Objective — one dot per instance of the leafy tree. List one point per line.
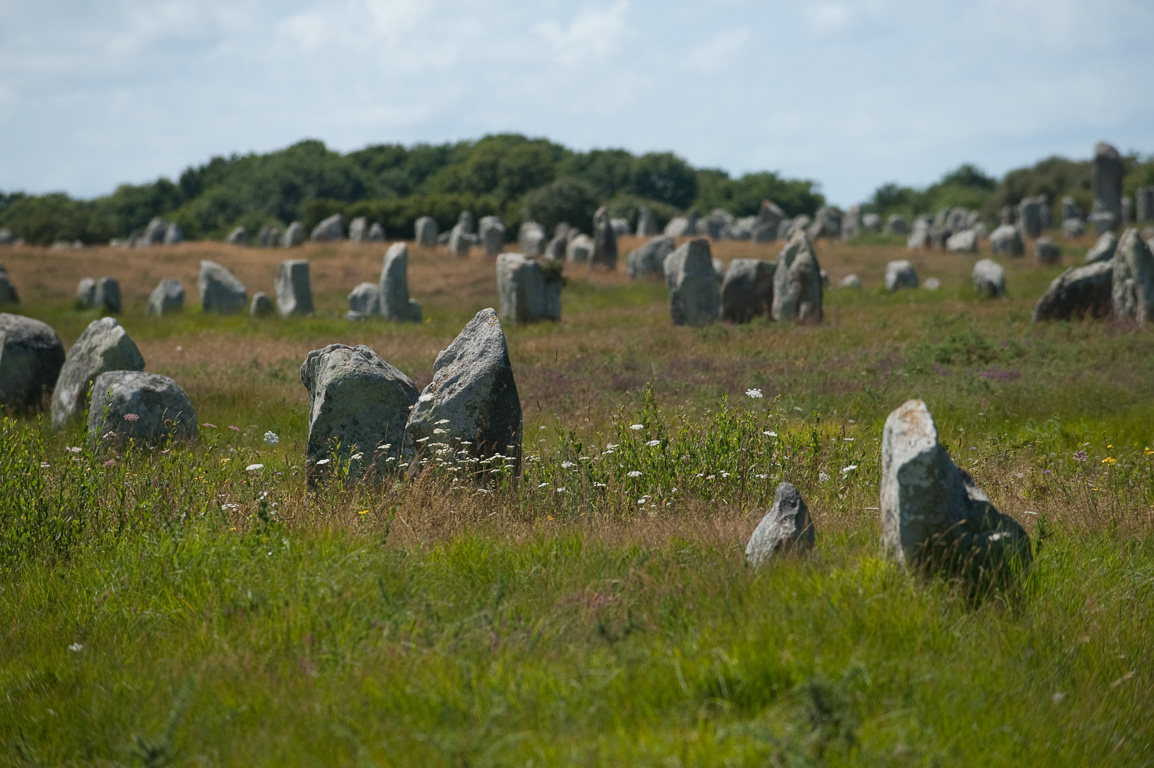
(566, 199)
(665, 177)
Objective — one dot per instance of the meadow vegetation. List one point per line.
(192, 606)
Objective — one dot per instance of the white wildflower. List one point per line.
(636, 427)
(769, 434)
(442, 421)
(357, 456)
(598, 485)
(76, 647)
(823, 477)
(633, 473)
(544, 485)
(439, 431)
(322, 462)
(754, 393)
(846, 470)
(568, 464)
(253, 467)
(271, 438)
(653, 443)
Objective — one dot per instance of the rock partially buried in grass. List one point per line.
(31, 356)
(472, 402)
(649, 259)
(989, 279)
(167, 298)
(850, 281)
(900, 274)
(797, 284)
(1007, 241)
(294, 293)
(787, 527)
(1079, 292)
(747, 290)
(1046, 251)
(934, 518)
(359, 406)
(262, 305)
(294, 235)
(330, 230)
(86, 293)
(144, 407)
(365, 300)
(107, 295)
(220, 292)
(104, 346)
(693, 285)
(1133, 282)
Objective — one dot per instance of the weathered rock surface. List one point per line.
(989, 278)
(1073, 227)
(1030, 216)
(219, 291)
(396, 304)
(919, 237)
(491, 231)
(1103, 250)
(1106, 185)
(850, 281)
(677, 226)
(1133, 285)
(604, 241)
(294, 235)
(104, 346)
(237, 237)
(143, 407)
(473, 397)
(167, 298)
(262, 305)
(900, 274)
(1006, 240)
(532, 238)
(269, 236)
(965, 241)
(106, 295)
(173, 234)
(425, 230)
(646, 222)
(747, 290)
(787, 527)
(649, 259)
(365, 299)
(797, 284)
(520, 288)
(1078, 292)
(896, 224)
(1046, 251)
(579, 250)
(826, 223)
(155, 231)
(693, 285)
(376, 233)
(7, 290)
(932, 284)
(31, 356)
(329, 230)
(1144, 203)
(460, 241)
(86, 293)
(621, 227)
(358, 230)
(294, 293)
(934, 517)
(359, 405)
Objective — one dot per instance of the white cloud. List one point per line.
(593, 32)
(721, 51)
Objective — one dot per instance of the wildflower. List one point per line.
(206, 424)
(1149, 452)
(271, 438)
(1080, 455)
(439, 431)
(823, 477)
(225, 460)
(636, 427)
(634, 473)
(76, 647)
(254, 467)
(363, 512)
(421, 439)
(544, 485)
(322, 462)
(724, 474)
(598, 485)
(762, 477)
(560, 490)
(357, 456)
(568, 465)
(847, 469)
(234, 428)
(110, 463)
(754, 393)
(131, 417)
(230, 507)
(442, 421)
(769, 434)
(74, 449)
(44, 465)
(425, 398)
(1108, 461)
(653, 443)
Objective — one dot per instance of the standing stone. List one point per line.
(1030, 216)
(826, 223)
(557, 247)
(294, 235)
(934, 518)
(106, 296)
(459, 241)
(1046, 251)
(871, 222)
(1007, 241)
(1144, 203)
(989, 279)
(1106, 184)
(747, 290)
(692, 283)
(649, 259)
(268, 237)
(465, 222)
(919, 237)
(261, 305)
(491, 233)
(167, 298)
(1070, 209)
(376, 233)
(7, 237)
(787, 527)
(896, 224)
(294, 295)
(329, 230)
(1133, 290)
(86, 293)
(677, 226)
(393, 287)
(1127, 211)
(425, 230)
(219, 291)
(740, 229)
(965, 241)
(717, 222)
(621, 227)
(1078, 292)
(579, 250)
(155, 231)
(797, 285)
(31, 356)
(1103, 250)
(104, 346)
(900, 274)
(521, 288)
(143, 407)
(237, 237)
(474, 390)
(531, 236)
(173, 234)
(358, 230)
(604, 241)
(365, 300)
(850, 281)
(851, 223)
(7, 290)
(1073, 227)
(358, 408)
(646, 222)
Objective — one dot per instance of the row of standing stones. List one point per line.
(368, 418)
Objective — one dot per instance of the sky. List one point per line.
(95, 93)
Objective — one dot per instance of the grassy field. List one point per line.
(179, 608)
